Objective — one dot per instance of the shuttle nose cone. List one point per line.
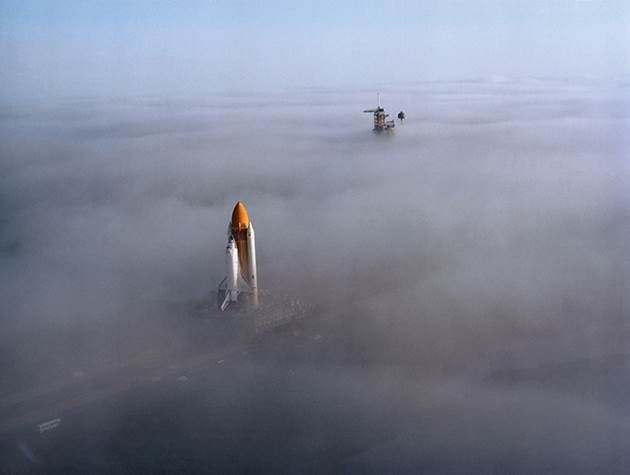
(240, 219)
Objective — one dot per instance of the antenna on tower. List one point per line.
(378, 99)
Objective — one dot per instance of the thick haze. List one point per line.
(485, 235)
(468, 273)
(500, 201)
(118, 47)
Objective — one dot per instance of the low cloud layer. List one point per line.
(487, 232)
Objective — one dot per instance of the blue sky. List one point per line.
(92, 47)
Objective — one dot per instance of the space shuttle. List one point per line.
(240, 285)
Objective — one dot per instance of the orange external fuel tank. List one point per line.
(239, 225)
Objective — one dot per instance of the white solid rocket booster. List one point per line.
(231, 254)
(253, 273)
(242, 276)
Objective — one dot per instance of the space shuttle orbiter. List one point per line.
(241, 282)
